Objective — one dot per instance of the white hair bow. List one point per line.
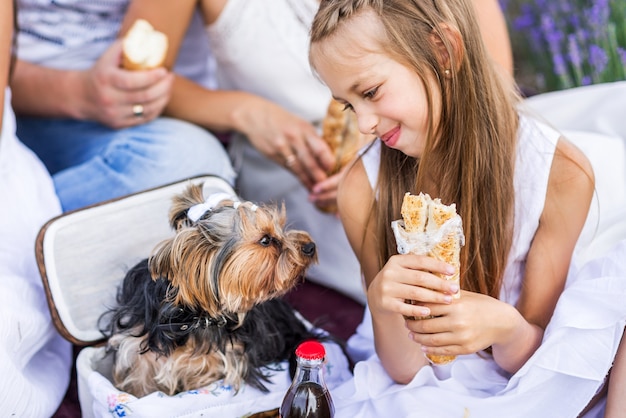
(196, 211)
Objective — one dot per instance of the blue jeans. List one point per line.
(90, 162)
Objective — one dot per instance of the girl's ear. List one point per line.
(448, 45)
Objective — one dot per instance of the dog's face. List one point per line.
(233, 257)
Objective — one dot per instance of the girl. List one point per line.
(418, 76)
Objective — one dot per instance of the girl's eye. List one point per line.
(347, 106)
(370, 93)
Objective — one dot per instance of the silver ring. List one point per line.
(290, 160)
(138, 110)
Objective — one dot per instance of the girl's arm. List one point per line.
(570, 189)
(387, 287)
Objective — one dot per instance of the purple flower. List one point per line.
(598, 58)
(622, 55)
(552, 35)
(523, 22)
(573, 51)
(569, 42)
(559, 65)
(598, 17)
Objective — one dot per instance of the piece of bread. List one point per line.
(341, 132)
(414, 212)
(143, 47)
(423, 215)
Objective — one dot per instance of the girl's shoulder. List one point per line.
(537, 136)
(354, 185)
(370, 158)
(536, 131)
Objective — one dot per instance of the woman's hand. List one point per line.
(120, 98)
(287, 140)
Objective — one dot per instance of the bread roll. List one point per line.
(143, 48)
(423, 215)
(341, 132)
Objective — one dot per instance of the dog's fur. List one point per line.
(206, 305)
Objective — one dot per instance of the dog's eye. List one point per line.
(266, 241)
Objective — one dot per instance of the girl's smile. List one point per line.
(391, 137)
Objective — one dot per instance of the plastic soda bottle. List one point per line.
(308, 396)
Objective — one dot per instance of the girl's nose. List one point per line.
(367, 122)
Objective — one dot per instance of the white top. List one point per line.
(36, 361)
(73, 34)
(258, 42)
(578, 346)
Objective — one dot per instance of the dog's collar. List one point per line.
(198, 322)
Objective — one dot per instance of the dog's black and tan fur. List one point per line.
(206, 305)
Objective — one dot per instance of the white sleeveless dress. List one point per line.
(262, 47)
(35, 361)
(565, 372)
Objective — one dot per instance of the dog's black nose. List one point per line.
(308, 249)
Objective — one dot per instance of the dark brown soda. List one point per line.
(308, 400)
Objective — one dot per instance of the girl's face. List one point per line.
(388, 97)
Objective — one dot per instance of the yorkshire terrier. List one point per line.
(206, 305)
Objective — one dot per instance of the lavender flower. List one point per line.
(568, 43)
(598, 59)
(622, 55)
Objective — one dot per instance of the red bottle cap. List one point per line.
(311, 350)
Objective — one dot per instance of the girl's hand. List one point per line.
(286, 139)
(111, 95)
(410, 277)
(468, 325)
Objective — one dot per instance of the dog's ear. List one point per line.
(181, 203)
(281, 211)
(160, 262)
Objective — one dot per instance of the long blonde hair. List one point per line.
(470, 152)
